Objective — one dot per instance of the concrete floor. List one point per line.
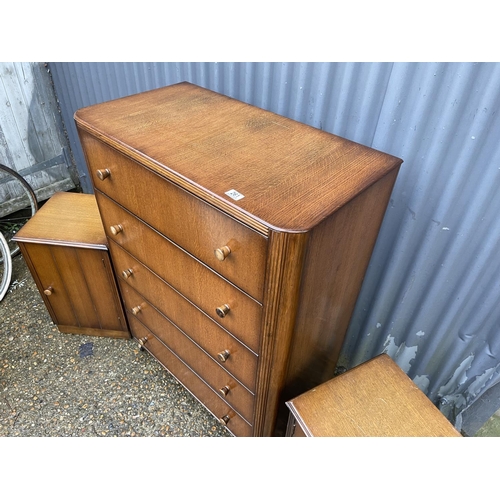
(491, 428)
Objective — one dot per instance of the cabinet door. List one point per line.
(98, 274)
(50, 284)
(78, 286)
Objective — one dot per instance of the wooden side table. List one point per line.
(64, 246)
(375, 399)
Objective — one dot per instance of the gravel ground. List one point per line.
(55, 384)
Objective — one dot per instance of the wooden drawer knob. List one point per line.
(48, 291)
(103, 174)
(142, 343)
(224, 420)
(118, 228)
(222, 252)
(136, 310)
(223, 355)
(127, 273)
(222, 310)
(224, 390)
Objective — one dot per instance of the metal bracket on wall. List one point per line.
(63, 158)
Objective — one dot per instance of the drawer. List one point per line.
(193, 224)
(190, 380)
(195, 281)
(163, 296)
(215, 341)
(238, 397)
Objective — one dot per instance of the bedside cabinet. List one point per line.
(240, 240)
(64, 246)
(375, 399)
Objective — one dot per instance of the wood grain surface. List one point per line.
(338, 253)
(241, 363)
(194, 384)
(195, 282)
(83, 288)
(375, 399)
(291, 175)
(66, 219)
(238, 397)
(177, 214)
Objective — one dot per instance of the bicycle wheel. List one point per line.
(25, 197)
(5, 267)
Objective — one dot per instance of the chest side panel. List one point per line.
(338, 254)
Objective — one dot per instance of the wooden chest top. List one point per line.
(291, 175)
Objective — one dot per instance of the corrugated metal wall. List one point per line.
(31, 134)
(430, 298)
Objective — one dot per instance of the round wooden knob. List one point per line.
(103, 174)
(222, 310)
(224, 390)
(224, 420)
(48, 291)
(223, 355)
(136, 310)
(222, 252)
(127, 273)
(118, 228)
(142, 343)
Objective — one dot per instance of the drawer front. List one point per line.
(238, 397)
(152, 287)
(190, 222)
(195, 281)
(200, 390)
(215, 341)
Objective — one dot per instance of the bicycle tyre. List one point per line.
(33, 202)
(7, 267)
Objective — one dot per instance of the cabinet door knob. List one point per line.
(136, 310)
(48, 291)
(223, 355)
(103, 174)
(224, 390)
(222, 252)
(222, 310)
(118, 228)
(224, 420)
(127, 273)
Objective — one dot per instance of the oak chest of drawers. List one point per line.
(240, 240)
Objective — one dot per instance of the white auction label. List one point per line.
(234, 194)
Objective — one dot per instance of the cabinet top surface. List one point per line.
(67, 219)
(375, 399)
(291, 175)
